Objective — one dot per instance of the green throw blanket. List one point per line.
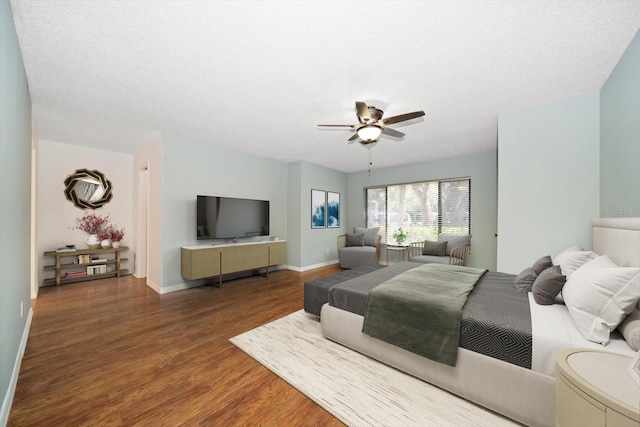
(420, 309)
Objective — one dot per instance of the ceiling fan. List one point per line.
(371, 124)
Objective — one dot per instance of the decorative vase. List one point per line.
(105, 243)
(92, 241)
(115, 244)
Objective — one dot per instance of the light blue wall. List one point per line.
(15, 205)
(191, 168)
(620, 137)
(319, 246)
(294, 218)
(481, 168)
(548, 175)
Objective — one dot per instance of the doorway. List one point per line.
(142, 263)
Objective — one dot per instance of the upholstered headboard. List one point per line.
(619, 238)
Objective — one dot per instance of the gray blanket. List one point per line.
(425, 301)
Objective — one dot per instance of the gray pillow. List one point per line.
(454, 240)
(542, 264)
(355, 240)
(434, 248)
(524, 280)
(548, 285)
(370, 234)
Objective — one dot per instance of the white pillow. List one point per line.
(630, 329)
(599, 295)
(573, 258)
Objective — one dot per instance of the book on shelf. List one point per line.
(88, 259)
(75, 273)
(66, 249)
(96, 269)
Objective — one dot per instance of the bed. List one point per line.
(522, 389)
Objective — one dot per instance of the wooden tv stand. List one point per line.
(209, 261)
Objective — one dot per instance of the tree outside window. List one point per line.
(423, 209)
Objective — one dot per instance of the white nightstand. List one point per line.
(593, 388)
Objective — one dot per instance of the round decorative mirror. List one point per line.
(88, 189)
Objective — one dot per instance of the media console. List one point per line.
(209, 261)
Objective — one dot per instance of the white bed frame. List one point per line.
(518, 393)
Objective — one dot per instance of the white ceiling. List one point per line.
(259, 76)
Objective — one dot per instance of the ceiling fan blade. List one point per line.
(353, 138)
(402, 117)
(392, 132)
(363, 112)
(339, 126)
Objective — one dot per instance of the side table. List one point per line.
(593, 388)
(402, 250)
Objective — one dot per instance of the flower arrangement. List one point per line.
(91, 223)
(111, 233)
(400, 235)
(115, 234)
(103, 233)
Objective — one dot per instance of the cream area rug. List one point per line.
(354, 388)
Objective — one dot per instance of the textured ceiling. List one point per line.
(259, 76)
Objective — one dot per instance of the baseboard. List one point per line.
(182, 286)
(178, 287)
(154, 286)
(230, 276)
(312, 267)
(8, 399)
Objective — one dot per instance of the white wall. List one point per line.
(149, 157)
(56, 215)
(548, 179)
(481, 168)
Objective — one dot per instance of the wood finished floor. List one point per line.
(114, 352)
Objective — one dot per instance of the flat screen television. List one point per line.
(231, 218)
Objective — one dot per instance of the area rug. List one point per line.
(356, 389)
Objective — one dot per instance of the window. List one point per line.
(423, 209)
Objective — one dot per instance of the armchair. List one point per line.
(456, 250)
(357, 255)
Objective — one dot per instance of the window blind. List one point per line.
(422, 209)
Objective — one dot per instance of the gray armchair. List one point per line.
(456, 250)
(357, 255)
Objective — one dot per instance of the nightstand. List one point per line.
(593, 388)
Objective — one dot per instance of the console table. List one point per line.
(201, 262)
(65, 261)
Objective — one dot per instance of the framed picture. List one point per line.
(333, 209)
(318, 209)
(634, 368)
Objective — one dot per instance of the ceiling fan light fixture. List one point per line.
(369, 132)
